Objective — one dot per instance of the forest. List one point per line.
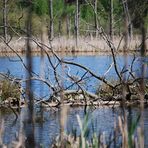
(68, 18)
(74, 73)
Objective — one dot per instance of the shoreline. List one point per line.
(80, 53)
(66, 46)
(67, 53)
(96, 104)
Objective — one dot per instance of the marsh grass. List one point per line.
(86, 44)
(127, 136)
(124, 134)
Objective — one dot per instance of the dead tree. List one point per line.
(95, 17)
(143, 38)
(77, 15)
(51, 25)
(5, 31)
(127, 24)
(111, 18)
(30, 141)
(68, 26)
(60, 27)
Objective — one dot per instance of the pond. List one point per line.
(47, 126)
(98, 64)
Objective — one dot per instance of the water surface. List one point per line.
(98, 64)
(47, 122)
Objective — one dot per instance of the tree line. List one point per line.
(75, 17)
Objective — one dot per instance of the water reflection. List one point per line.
(47, 126)
(47, 123)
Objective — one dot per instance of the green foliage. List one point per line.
(105, 5)
(132, 131)
(40, 7)
(58, 7)
(24, 3)
(63, 9)
(139, 11)
(87, 12)
(69, 9)
(96, 141)
(9, 89)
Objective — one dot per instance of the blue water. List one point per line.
(98, 64)
(100, 120)
(46, 131)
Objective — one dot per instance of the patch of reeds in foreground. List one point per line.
(85, 44)
(123, 135)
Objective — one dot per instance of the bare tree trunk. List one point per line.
(68, 26)
(143, 38)
(5, 20)
(142, 82)
(29, 124)
(60, 27)
(130, 28)
(126, 35)
(77, 21)
(51, 31)
(128, 25)
(95, 17)
(111, 32)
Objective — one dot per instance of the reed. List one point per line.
(125, 135)
(86, 44)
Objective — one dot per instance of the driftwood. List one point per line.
(80, 94)
(95, 103)
(78, 98)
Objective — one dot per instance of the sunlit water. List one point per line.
(47, 122)
(97, 64)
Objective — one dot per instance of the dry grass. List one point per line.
(90, 44)
(87, 44)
